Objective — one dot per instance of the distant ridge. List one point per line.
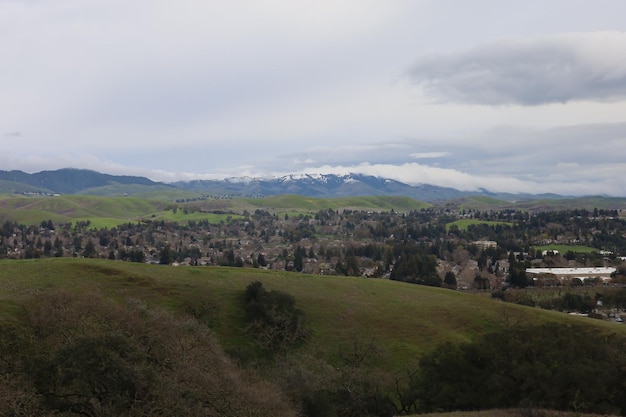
(66, 181)
(331, 185)
(88, 182)
(318, 185)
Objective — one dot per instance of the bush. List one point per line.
(550, 366)
(273, 320)
(86, 355)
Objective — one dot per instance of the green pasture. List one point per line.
(154, 192)
(99, 211)
(403, 320)
(113, 211)
(181, 216)
(311, 204)
(480, 203)
(70, 208)
(463, 224)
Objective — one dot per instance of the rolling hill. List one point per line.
(112, 211)
(70, 181)
(83, 335)
(404, 320)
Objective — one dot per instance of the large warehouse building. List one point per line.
(565, 275)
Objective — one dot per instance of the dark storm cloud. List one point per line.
(555, 69)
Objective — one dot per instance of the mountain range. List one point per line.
(81, 181)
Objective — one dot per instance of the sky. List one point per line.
(517, 96)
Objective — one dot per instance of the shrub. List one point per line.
(273, 319)
(87, 355)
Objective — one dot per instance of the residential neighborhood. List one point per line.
(475, 250)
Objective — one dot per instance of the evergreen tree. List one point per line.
(165, 256)
(450, 280)
(90, 249)
(298, 260)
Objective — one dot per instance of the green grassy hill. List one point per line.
(165, 329)
(483, 203)
(295, 203)
(463, 224)
(157, 192)
(112, 211)
(404, 320)
(101, 211)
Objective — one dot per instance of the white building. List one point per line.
(567, 274)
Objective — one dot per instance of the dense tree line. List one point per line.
(551, 366)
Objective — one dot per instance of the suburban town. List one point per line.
(467, 250)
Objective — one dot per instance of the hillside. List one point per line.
(533, 203)
(71, 181)
(100, 211)
(404, 319)
(96, 337)
(110, 211)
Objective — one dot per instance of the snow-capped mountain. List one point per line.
(320, 185)
(80, 181)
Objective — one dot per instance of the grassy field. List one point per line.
(113, 211)
(310, 204)
(404, 320)
(588, 203)
(563, 249)
(71, 208)
(479, 203)
(483, 203)
(100, 211)
(165, 193)
(463, 224)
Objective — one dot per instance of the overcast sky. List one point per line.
(519, 96)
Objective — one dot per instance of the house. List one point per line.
(485, 244)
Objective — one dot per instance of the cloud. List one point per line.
(428, 155)
(548, 69)
(415, 174)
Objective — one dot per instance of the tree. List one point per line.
(450, 280)
(261, 260)
(86, 355)
(481, 283)
(58, 248)
(298, 259)
(549, 366)
(90, 249)
(165, 256)
(273, 319)
(95, 373)
(78, 243)
(517, 276)
(47, 248)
